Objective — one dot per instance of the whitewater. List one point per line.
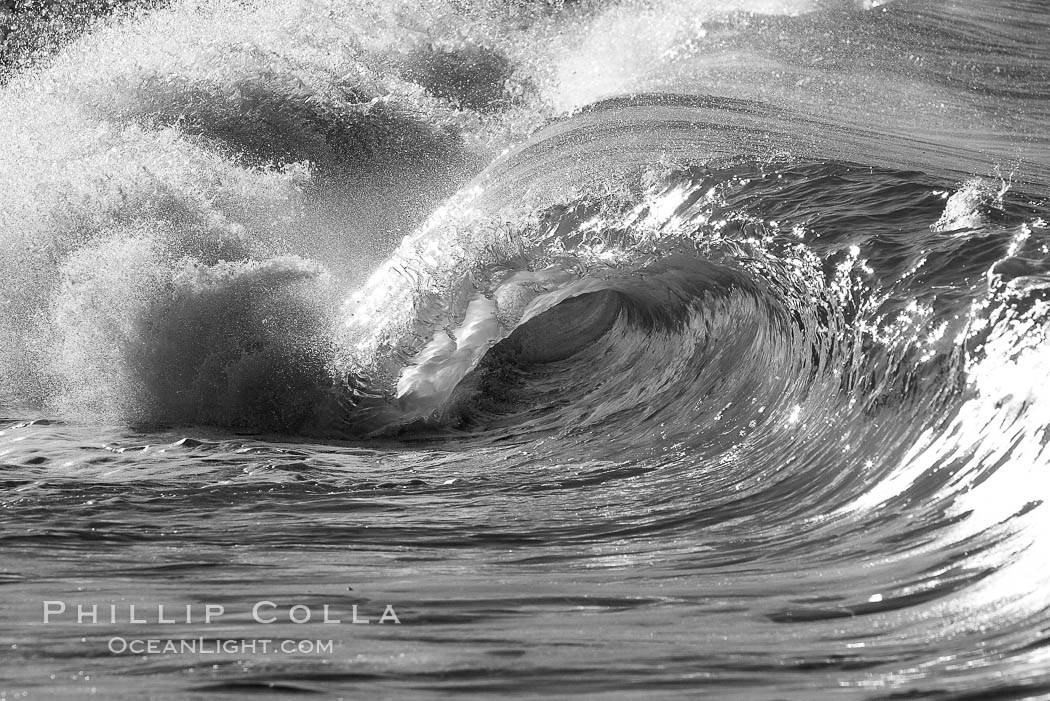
(672, 348)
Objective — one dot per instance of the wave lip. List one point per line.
(672, 262)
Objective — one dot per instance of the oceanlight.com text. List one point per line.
(212, 646)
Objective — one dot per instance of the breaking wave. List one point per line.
(793, 255)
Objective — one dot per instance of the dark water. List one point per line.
(675, 348)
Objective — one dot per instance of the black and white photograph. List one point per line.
(525, 349)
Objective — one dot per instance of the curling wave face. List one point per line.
(735, 291)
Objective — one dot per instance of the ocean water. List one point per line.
(677, 348)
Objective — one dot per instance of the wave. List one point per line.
(213, 139)
(191, 190)
(769, 275)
